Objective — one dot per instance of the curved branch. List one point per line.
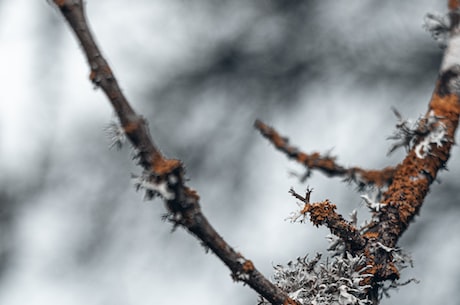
(164, 177)
(326, 164)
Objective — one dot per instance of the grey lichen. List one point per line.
(426, 130)
(332, 282)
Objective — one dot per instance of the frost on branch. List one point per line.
(438, 25)
(320, 283)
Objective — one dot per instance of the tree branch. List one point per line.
(413, 177)
(326, 164)
(162, 176)
(324, 213)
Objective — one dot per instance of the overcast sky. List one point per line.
(74, 231)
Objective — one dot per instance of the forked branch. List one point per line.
(326, 163)
(323, 213)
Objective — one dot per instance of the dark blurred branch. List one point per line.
(325, 163)
(162, 176)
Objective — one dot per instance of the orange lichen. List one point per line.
(316, 160)
(131, 126)
(274, 137)
(391, 272)
(324, 213)
(290, 301)
(321, 211)
(162, 166)
(371, 235)
(92, 75)
(59, 3)
(453, 4)
(305, 209)
(445, 105)
(270, 133)
(189, 192)
(373, 271)
(378, 177)
(325, 163)
(248, 266)
(302, 157)
(414, 175)
(381, 272)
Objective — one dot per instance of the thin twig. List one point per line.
(323, 213)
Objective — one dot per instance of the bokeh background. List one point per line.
(74, 231)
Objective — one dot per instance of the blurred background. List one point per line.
(73, 230)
